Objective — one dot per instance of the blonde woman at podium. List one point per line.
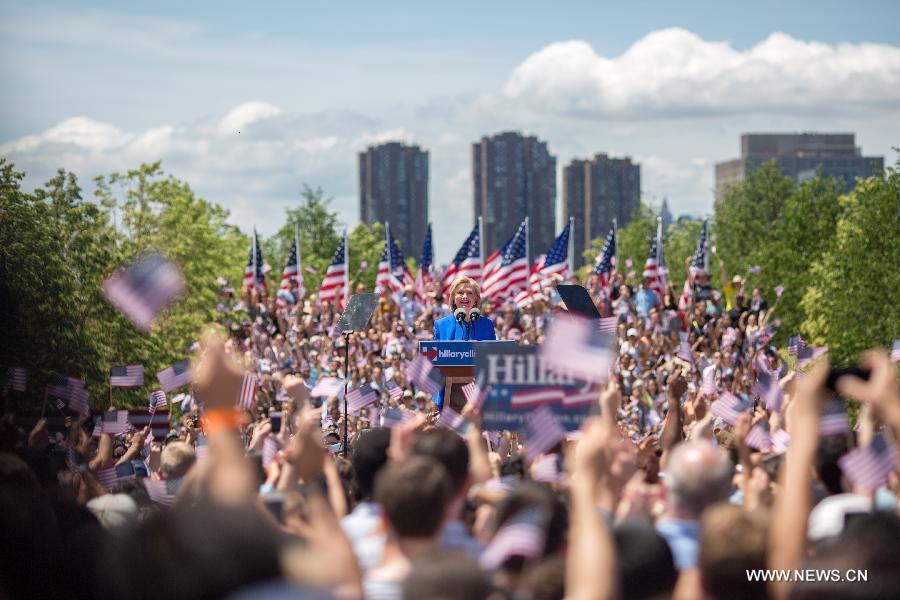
(465, 322)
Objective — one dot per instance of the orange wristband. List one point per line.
(220, 418)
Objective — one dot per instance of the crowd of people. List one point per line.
(662, 494)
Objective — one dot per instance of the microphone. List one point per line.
(460, 314)
(474, 315)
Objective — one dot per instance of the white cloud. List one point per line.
(673, 71)
(244, 114)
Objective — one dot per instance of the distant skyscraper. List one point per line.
(594, 193)
(801, 156)
(665, 214)
(393, 187)
(514, 176)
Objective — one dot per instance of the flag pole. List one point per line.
(615, 256)
(481, 247)
(346, 270)
(571, 246)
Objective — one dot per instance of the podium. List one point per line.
(456, 362)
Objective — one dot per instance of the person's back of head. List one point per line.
(446, 576)
(733, 541)
(447, 448)
(176, 460)
(527, 494)
(698, 475)
(864, 556)
(369, 456)
(645, 564)
(414, 495)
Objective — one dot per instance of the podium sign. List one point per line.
(456, 361)
(517, 383)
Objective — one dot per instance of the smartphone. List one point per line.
(140, 468)
(276, 421)
(125, 471)
(836, 374)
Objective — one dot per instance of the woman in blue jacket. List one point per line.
(464, 294)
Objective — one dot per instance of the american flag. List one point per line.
(360, 397)
(392, 417)
(162, 491)
(700, 262)
(474, 394)
(328, 387)
(708, 385)
(588, 394)
(292, 273)
(537, 396)
(684, 352)
(425, 274)
(576, 345)
(466, 263)
(527, 294)
(248, 391)
(780, 441)
(112, 422)
(157, 400)
(544, 432)
(758, 437)
(393, 390)
(609, 325)
(795, 344)
(755, 269)
(424, 375)
(506, 270)
(556, 261)
(809, 353)
(16, 379)
(143, 289)
(729, 407)
(767, 388)
(71, 389)
(202, 448)
(655, 267)
(779, 290)
(335, 286)
(521, 535)
(834, 418)
(254, 277)
(450, 419)
(126, 376)
(603, 265)
(546, 469)
(393, 273)
(270, 449)
(107, 478)
(867, 468)
(175, 376)
(895, 351)
(79, 402)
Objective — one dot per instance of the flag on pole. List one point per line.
(556, 261)
(603, 265)
(700, 262)
(141, 290)
(162, 491)
(175, 376)
(425, 274)
(452, 420)
(767, 388)
(466, 263)
(126, 376)
(795, 344)
(16, 379)
(780, 441)
(474, 394)
(655, 267)
(270, 449)
(292, 273)
(834, 419)
(506, 270)
(248, 391)
(254, 277)
(577, 346)
(157, 400)
(393, 274)
(112, 422)
(392, 417)
(424, 375)
(867, 468)
(808, 354)
(758, 437)
(393, 390)
(334, 286)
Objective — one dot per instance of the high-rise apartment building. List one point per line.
(393, 188)
(514, 176)
(801, 156)
(595, 192)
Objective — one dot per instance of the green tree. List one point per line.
(680, 243)
(319, 238)
(852, 303)
(366, 244)
(633, 240)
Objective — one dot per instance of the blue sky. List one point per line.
(101, 86)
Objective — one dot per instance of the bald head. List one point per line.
(698, 475)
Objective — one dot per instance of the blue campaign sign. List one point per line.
(450, 353)
(517, 383)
